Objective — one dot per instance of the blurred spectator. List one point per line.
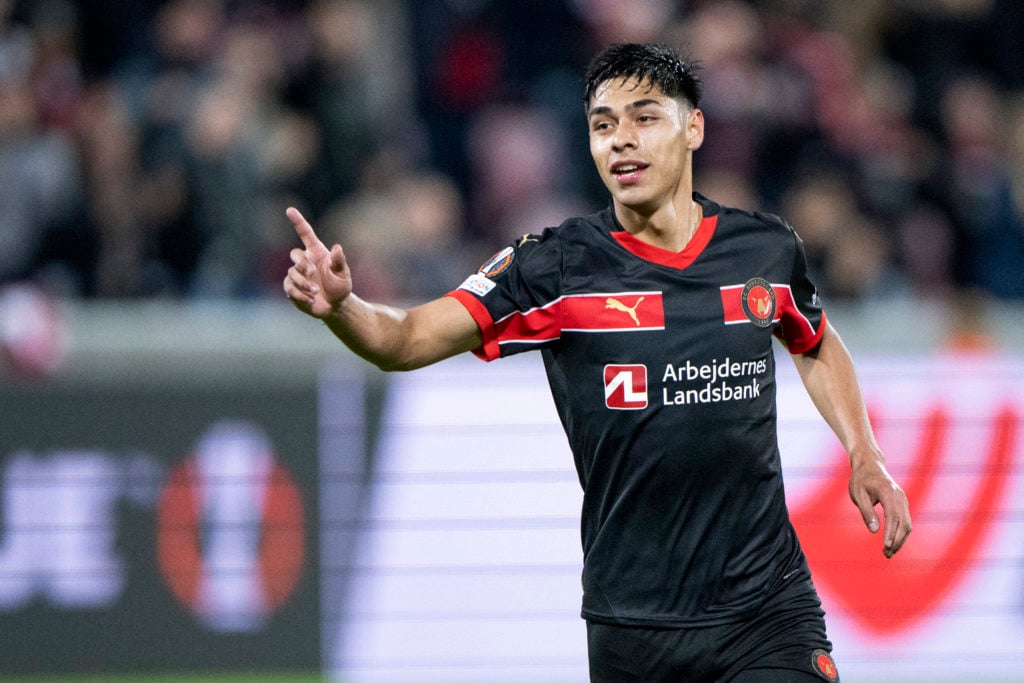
(404, 239)
(979, 185)
(820, 205)
(926, 243)
(147, 148)
(108, 144)
(38, 170)
(516, 157)
(352, 87)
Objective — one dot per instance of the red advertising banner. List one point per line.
(950, 606)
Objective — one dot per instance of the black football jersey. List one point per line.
(662, 371)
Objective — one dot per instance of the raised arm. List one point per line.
(829, 376)
(319, 283)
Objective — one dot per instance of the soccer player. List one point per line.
(655, 320)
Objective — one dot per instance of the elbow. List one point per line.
(397, 362)
(391, 365)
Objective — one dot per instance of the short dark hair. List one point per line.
(658, 65)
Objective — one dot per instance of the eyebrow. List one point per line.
(604, 109)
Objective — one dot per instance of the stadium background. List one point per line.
(195, 481)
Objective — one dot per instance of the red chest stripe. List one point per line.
(600, 312)
(596, 312)
(732, 303)
(613, 312)
(796, 329)
(610, 311)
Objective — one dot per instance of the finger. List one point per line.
(867, 512)
(903, 532)
(897, 527)
(301, 299)
(302, 263)
(893, 537)
(300, 282)
(303, 228)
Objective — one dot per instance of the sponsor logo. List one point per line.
(616, 305)
(823, 665)
(497, 263)
(612, 312)
(625, 387)
(758, 301)
(230, 530)
(720, 380)
(526, 238)
(477, 284)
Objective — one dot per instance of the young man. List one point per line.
(655, 319)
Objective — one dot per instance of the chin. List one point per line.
(641, 205)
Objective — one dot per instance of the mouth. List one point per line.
(628, 171)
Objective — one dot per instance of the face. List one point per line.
(642, 142)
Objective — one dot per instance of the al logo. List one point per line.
(625, 387)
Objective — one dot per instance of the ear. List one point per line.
(695, 129)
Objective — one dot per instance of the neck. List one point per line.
(670, 227)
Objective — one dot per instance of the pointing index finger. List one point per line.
(303, 228)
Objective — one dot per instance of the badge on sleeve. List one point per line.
(497, 263)
(477, 284)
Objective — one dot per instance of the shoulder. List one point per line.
(736, 221)
(754, 220)
(586, 227)
(589, 229)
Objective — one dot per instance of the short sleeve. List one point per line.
(514, 296)
(802, 319)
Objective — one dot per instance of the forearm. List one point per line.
(371, 331)
(398, 339)
(829, 375)
(831, 381)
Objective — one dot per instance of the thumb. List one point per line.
(337, 263)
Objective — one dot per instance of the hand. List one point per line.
(871, 485)
(320, 280)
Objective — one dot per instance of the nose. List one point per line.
(624, 137)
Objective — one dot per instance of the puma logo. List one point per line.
(526, 238)
(617, 305)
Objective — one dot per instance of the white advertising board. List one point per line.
(467, 564)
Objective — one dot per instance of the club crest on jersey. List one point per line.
(625, 387)
(497, 263)
(758, 301)
(823, 665)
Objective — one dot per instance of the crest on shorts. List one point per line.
(758, 301)
(823, 665)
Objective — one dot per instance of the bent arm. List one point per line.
(404, 339)
(831, 381)
(319, 283)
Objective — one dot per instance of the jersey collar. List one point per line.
(665, 257)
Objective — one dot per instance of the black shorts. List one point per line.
(784, 642)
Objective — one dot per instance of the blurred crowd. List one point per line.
(148, 148)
